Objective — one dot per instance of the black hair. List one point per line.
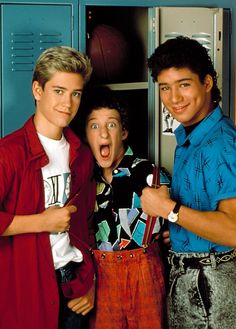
(183, 52)
(94, 98)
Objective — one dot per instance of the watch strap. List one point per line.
(176, 207)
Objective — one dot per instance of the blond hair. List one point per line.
(62, 59)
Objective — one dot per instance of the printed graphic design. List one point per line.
(57, 189)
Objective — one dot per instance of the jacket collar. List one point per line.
(35, 147)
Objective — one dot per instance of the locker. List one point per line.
(26, 31)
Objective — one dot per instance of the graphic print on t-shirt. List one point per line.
(57, 189)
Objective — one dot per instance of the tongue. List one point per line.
(105, 151)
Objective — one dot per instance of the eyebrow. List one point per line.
(109, 118)
(177, 81)
(63, 88)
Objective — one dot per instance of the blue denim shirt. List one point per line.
(204, 173)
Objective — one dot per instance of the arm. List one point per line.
(218, 226)
(53, 219)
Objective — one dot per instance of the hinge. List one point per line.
(154, 24)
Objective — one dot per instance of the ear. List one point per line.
(208, 82)
(37, 90)
(125, 134)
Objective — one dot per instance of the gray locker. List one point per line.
(27, 29)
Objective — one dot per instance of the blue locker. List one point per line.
(27, 30)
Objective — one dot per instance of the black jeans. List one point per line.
(67, 318)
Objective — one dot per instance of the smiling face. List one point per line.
(185, 97)
(105, 136)
(57, 103)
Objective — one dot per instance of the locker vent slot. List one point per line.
(24, 47)
(49, 40)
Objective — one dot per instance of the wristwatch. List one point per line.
(174, 214)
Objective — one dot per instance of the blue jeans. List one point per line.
(67, 318)
(202, 296)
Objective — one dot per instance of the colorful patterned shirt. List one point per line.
(204, 173)
(119, 220)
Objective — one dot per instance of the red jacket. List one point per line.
(28, 287)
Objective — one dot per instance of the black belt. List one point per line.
(66, 273)
(195, 262)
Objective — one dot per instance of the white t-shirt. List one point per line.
(57, 179)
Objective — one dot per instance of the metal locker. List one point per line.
(27, 30)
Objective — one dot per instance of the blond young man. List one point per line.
(47, 195)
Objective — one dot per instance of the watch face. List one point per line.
(172, 217)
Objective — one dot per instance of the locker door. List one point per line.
(27, 30)
(209, 26)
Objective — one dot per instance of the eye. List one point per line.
(77, 93)
(164, 88)
(94, 126)
(184, 84)
(58, 91)
(111, 125)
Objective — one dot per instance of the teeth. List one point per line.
(179, 108)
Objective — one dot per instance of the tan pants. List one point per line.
(130, 290)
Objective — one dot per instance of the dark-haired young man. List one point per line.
(130, 290)
(202, 206)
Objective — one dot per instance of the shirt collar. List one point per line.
(196, 136)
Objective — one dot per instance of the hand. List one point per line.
(57, 219)
(166, 238)
(156, 202)
(84, 304)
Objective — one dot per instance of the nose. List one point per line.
(176, 95)
(67, 101)
(104, 132)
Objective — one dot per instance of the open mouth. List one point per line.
(105, 150)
